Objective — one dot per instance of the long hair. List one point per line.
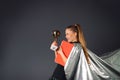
(80, 37)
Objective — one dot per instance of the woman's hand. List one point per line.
(54, 43)
(59, 51)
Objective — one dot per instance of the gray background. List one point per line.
(25, 32)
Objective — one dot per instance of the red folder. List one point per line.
(66, 48)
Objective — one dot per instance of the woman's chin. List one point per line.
(68, 40)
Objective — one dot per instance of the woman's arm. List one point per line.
(59, 51)
(55, 54)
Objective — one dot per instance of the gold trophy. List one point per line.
(55, 34)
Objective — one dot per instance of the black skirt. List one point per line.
(58, 73)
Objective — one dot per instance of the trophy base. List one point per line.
(53, 47)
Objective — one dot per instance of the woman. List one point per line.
(76, 62)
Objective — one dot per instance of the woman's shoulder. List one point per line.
(66, 43)
(63, 42)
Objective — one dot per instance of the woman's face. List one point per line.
(71, 36)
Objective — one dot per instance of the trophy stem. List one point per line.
(56, 39)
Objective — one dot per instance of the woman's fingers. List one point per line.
(59, 50)
(54, 43)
